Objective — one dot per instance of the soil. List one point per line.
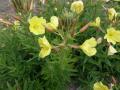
(5, 7)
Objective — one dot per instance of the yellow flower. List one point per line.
(77, 7)
(100, 86)
(96, 23)
(53, 24)
(88, 47)
(112, 35)
(112, 14)
(16, 25)
(111, 50)
(45, 47)
(37, 25)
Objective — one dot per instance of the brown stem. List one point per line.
(59, 46)
(84, 28)
(16, 17)
(74, 46)
(114, 81)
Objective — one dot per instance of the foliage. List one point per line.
(21, 68)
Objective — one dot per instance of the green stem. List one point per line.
(101, 30)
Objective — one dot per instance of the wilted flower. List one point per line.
(96, 23)
(88, 46)
(77, 7)
(37, 25)
(53, 24)
(106, 0)
(112, 35)
(112, 14)
(100, 86)
(43, 1)
(111, 50)
(45, 47)
(99, 40)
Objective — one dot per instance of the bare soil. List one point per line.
(5, 7)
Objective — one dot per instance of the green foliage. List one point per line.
(57, 72)
(22, 69)
(27, 85)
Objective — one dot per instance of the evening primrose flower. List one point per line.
(112, 35)
(45, 47)
(16, 24)
(77, 7)
(99, 40)
(111, 50)
(106, 0)
(37, 25)
(112, 14)
(100, 86)
(88, 47)
(96, 23)
(53, 24)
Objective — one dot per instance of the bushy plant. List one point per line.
(61, 43)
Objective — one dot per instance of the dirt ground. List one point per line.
(5, 7)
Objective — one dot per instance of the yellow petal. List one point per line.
(36, 19)
(96, 23)
(16, 23)
(37, 29)
(54, 20)
(112, 14)
(88, 47)
(112, 35)
(53, 24)
(45, 47)
(111, 50)
(77, 7)
(43, 42)
(88, 50)
(44, 52)
(100, 86)
(90, 42)
(37, 25)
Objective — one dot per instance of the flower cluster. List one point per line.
(39, 25)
